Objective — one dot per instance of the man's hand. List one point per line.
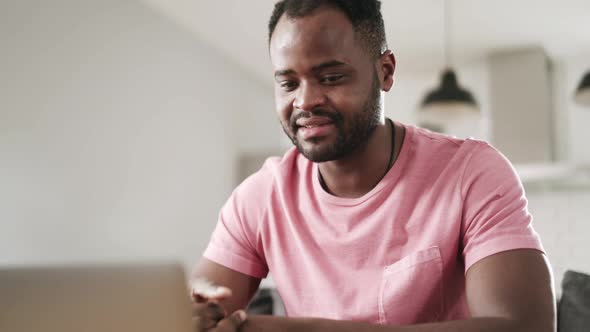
(210, 317)
(208, 314)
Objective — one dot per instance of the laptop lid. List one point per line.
(99, 298)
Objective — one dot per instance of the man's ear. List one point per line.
(386, 69)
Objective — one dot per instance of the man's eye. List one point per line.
(288, 85)
(332, 78)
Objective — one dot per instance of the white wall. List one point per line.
(118, 133)
(402, 103)
(562, 213)
(578, 117)
(561, 217)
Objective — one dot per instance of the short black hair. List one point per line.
(365, 16)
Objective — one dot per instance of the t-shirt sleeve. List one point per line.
(235, 243)
(495, 213)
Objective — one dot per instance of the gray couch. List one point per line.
(573, 309)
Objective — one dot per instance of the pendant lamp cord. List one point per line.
(447, 32)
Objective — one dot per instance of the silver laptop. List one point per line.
(100, 298)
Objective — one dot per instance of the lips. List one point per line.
(315, 121)
(315, 127)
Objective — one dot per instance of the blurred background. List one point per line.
(125, 125)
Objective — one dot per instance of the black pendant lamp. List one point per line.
(582, 96)
(449, 91)
(449, 97)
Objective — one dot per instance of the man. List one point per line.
(367, 224)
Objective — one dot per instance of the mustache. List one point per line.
(337, 118)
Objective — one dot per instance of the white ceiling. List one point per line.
(238, 28)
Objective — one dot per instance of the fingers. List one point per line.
(232, 323)
(207, 315)
(204, 291)
(211, 310)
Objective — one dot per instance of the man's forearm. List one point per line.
(283, 324)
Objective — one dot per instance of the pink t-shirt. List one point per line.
(397, 255)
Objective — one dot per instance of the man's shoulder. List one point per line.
(472, 159)
(463, 159)
(274, 170)
(441, 139)
(280, 166)
(442, 146)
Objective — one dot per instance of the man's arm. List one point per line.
(242, 286)
(508, 291)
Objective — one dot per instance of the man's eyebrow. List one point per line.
(284, 72)
(329, 64)
(315, 69)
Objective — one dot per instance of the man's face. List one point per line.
(327, 91)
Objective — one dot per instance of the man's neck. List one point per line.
(358, 173)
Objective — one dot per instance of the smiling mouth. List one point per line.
(315, 131)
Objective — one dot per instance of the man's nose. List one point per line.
(309, 96)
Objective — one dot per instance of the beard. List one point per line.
(361, 125)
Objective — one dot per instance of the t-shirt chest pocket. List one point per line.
(411, 289)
